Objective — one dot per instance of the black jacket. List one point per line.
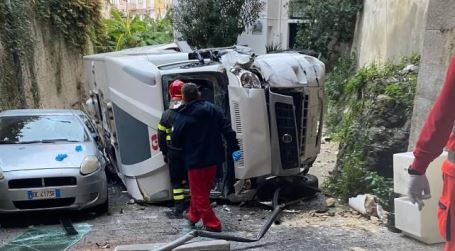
(197, 129)
(164, 129)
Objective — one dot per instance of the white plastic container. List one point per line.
(401, 163)
(421, 225)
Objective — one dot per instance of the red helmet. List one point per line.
(175, 89)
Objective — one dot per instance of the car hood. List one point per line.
(43, 156)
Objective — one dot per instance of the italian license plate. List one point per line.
(43, 194)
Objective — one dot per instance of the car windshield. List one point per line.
(41, 129)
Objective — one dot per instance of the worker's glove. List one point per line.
(237, 155)
(419, 189)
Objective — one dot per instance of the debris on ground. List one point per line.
(357, 249)
(331, 214)
(374, 220)
(364, 204)
(322, 210)
(291, 211)
(382, 214)
(131, 201)
(104, 245)
(47, 238)
(368, 205)
(330, 202)
(226, 208)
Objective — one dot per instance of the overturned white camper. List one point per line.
(275, 103)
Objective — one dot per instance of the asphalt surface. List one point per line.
(299, 227)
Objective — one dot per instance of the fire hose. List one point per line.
(278, 208)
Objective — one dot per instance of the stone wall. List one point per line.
(389, 29)
(439, 46)
(53, 67)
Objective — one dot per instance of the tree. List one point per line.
(215, 23)
(326, 24)
(127, 32)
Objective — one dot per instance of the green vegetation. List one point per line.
(17, 43)
(335, 84)
(215, 23)
(126, 32)
(326, 24)
(368, 113)
(79, 21)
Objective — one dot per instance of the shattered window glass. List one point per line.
(49, 238)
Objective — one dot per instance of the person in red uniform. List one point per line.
(198, 130)
(438, 132)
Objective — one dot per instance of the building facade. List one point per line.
(276, 28)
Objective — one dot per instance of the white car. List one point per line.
(50, 159)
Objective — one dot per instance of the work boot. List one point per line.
(176, 211)
(179, 208)
(190, 223)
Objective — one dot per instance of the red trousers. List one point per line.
(446, 209)
(201, 182)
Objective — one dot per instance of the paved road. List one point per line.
(300, 228)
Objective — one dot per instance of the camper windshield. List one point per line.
(212, 85)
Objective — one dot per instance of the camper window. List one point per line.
(213, 86)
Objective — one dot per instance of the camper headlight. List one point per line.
(249, 80)
(89, 165)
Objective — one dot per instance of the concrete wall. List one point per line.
(389, 29)
(57, 69)
(438, 48)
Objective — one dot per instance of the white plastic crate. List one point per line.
(401, 163)
(421, 225)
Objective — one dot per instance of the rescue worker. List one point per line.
(198, 130)
(172, 155)
(438, 132)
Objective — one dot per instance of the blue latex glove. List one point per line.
(237, 155)
(61, 156)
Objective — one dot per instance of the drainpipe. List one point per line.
(279, 18)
